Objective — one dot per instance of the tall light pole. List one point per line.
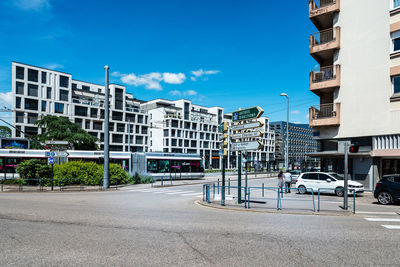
(287, 133)
(106, 171)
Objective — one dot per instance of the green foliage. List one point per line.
(34, 169)
(117, 175)
(140, 179)
(62, 129)
(5, 132)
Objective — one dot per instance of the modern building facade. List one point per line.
(183, 127)
(301, 143)
(358, 82)
(38, 92)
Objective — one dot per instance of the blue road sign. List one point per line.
(50, 160)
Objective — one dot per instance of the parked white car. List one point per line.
(326, 182)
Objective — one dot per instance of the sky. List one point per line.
(228, 53)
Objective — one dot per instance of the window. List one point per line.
(74, 86)
(186, 111)
(310, 176)
(17, 102)
(59, 108)
(85, 88)
(33, 75)
(80, 111)
(165, 132)
(120, 127)
(140, 119)
(117, 116)
(396, 84)
(31, 104)
(20, 117)
(43, 105)
(93, 112)
(323, 177)
(32, 90)
(97, 125)
(19, 88)
(64, 81)
(63, 95)
(32, 118)
(19, 72)
(78, 122)
(44, 76)
(48, 92)
(396, 3)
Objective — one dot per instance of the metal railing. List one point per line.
(323, 74)
(323, 37)
(330, 190)
(322, 3)
(324, 111)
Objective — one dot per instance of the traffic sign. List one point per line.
(243, 146)
(50, 160)
(223, 127)
(247, 126)
(62, 154)
(248, 135)
(50, 154)
(51, 142)
(247, 114)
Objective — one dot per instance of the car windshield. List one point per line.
(295, 172)
(337, 176)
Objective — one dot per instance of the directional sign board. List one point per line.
(51, 142)
(243, 146)
(247, 135)
(247, 126)
(247, 114)
(62, 154)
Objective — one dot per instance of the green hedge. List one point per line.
(72, 172)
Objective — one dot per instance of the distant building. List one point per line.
(301, 142)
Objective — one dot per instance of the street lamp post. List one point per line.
(106, 171)
(287, 132)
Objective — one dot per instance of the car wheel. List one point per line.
(302, 189)
(384, 198)
(339, 191)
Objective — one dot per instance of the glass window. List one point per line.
(396, 3)
(32, 118)
(48, 92)
(87, 124)
(396, 84)
(20, 117)
(43, 105)
(44, 76)
(31, 104)
(64, 81)
(310, 176)
(117, 116)
(80, 111)
(78, 122)
(19, 88)
(33, 75)
(17, 102)
(396, 44)
(59, 108)
(74, 86)
(32, 90)
(19, 72)
(93, 112)
(323, 177)
(63, 95)
(85, 87)
(140, 119)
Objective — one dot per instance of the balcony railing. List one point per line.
(323, 37)
(322, 3)
(325, 115)
(323, 74)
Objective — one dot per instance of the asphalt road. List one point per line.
(154, 227)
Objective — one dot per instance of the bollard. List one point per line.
(2, 183)
(277, 200)
(248, 199)
(213, 190)
(203, 192)
(162, 180)
(313, 200)
(229, 186)
(208, 194)
(318, 200)
(354, 202)
(218, 186)
(222, 195)
(262, 189)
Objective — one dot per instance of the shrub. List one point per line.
(117, 175)
(76, 172)
(140, 179)
(33, 169)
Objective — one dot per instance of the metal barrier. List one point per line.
(329, 190)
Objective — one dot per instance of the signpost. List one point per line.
(245, 146)
(57, 151)
(247, 126)
(247, 114)
(247, 135)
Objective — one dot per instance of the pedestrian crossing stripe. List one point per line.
(382, 219)
(377, 212)
(396, 227)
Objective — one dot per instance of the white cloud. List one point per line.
(6, 99)
(54, 66)
(152, 80)
(199, 73)
(175, 92)
(190, 92)
(34, 5)
(296, 112)
(174, 78)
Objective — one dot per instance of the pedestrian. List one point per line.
(288, 181)
(281, 181)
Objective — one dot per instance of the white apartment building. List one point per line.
(38, 92)
(357, 45)
(183, 127)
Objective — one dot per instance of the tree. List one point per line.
(5, 132)
(62, 129)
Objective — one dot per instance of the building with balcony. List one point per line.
(38, 92)
(301, 143)
(183, 127)
(358, 83)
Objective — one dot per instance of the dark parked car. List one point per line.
(387, 190)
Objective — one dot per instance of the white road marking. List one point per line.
(377, 212)
(153, 190)
(382, 220)
(192, 194)
(180, 192)
(397, 227)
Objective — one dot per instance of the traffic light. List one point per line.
(223, 129)
(353, 148)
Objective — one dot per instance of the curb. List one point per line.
(201, 203)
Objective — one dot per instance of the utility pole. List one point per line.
(346, 177)
(287, 132)
(106, 174)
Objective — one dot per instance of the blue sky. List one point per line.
(216, 53)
